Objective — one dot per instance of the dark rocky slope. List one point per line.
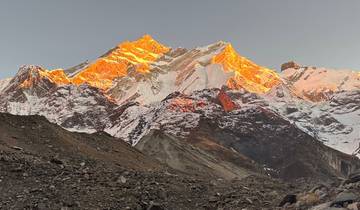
(204, 159)
(43, 166)
(242, 134)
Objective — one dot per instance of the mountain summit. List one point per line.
(142, 85)
(248, 75)
(146, 58)
(116, 63)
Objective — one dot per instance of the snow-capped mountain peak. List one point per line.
(319, 84)
(137, 54)
(143, 85)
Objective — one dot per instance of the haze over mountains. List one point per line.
(205, 112)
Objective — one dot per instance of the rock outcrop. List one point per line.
(290, 64)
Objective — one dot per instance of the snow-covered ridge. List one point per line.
(181, 70)
(181, 89)
(333, 120)
(4, 83)
(318, 84)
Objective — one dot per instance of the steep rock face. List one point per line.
(345, 102)
(226, 101)
(146, 71)
(248, 75)
(251, 130)
(171, 116)
(320, 84)
(211, 66)
(34, 91)
(187, 71)
(116, 62)
(283, 149)
(290, 64)
(87, 109)
(77, 108)
(333, 121)
(323, 103)
(30, 80)
(149, 85)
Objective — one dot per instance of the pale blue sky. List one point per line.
(64, 33)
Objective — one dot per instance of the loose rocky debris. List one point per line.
(329, 197)
(30, 182)
(57, 169)
(288, 199)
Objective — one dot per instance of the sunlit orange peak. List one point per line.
(248, 75)
(57, 76)
(114, 64)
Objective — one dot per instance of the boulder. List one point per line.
(354, 206)
(226, 102)
(308, 199)
(343, 199)
(353, 177)
(288, 199)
